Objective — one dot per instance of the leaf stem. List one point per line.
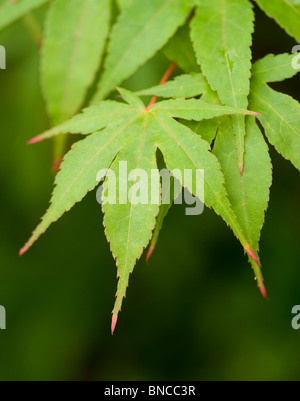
(165, 78)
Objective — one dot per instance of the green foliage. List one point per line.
(205, 121)
(133, 137)
(221, 33)
(11, 10)
(184, 86)
(142, 29)
(256, 178)
(279, 112)
(180, 49)
(285, 12)
(77, 32)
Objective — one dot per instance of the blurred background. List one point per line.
(193, 313)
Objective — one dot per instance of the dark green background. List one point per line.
(193, 313)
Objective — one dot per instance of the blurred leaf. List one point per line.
(274, 68)
(285, 12)
(180, 49)
(183, 86)
(207, 129)
(11, 10)
(280, 114)
(171, 189)
(74, 41)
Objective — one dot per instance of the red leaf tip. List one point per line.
(114, 323)
(263, 291)
(252, 255)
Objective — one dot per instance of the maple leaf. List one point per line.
(12, 10)
(132, 132)
(257, 173)
(221, 33)
(209, 40)
(285, 12)
(76, 30)
(135, 38)
(275, 116)
(279, 112)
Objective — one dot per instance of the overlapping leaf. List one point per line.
(11, 10)
(280, 114)
(184, 86)
(248, 193)
(180, 50)
(142, 29)
(74, 41)
(133, 136)
(285, 12)
(123, 4)
(221, 33)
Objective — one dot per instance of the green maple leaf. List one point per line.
(279, 112)
(257, 174)
(141, 30)
(76, 30)
(133, 133)
(285, 12)
(221, 33)
(11, 10)
(183, 86)
(186, 86)
(180, 49)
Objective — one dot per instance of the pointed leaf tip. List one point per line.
(263, 291)
(252, 255)
(34, 140)
(113, 323)
(22, 251)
